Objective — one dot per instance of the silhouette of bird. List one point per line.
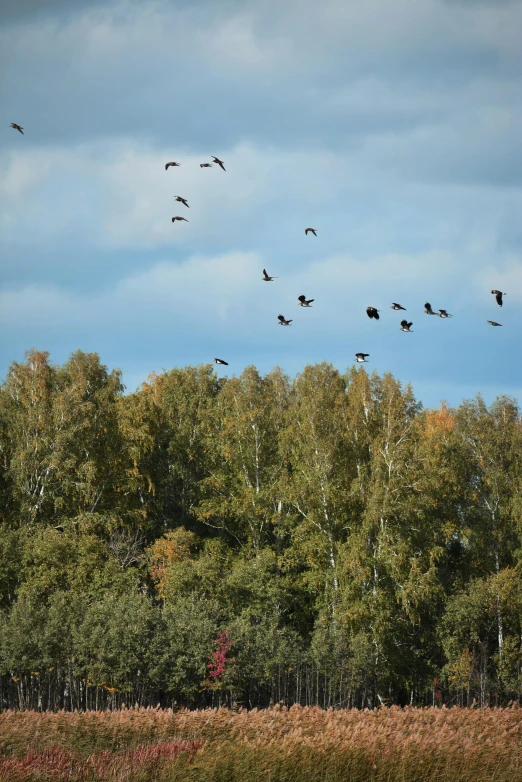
(182, 200)
(267, 278)
(304, 302)
(205, 165)
(172, 163)
(361, 358)
(372, 312)
(219, 162)
(444, 314)
(405, 326)
(428, 310)
(17, 127)
(310, 229)
(180, 218)
(498, 296)
(492, 323)
(220, 361)
(282, 321)
(396, 306)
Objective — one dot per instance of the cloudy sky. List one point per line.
(393, 127)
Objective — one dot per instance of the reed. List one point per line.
(278, 744)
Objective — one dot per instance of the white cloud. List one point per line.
(190, 293)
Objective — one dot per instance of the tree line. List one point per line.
(257, 539)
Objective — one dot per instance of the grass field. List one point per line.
(301, 744)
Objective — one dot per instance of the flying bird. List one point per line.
(428, 310)
(220, 361)
(310, 229)
(492, 323)
(182, 200)
(498, 297)
(372, 312)
(361, 358)
(267, 278)
(172, 163)
(304, 302)
(180, 218)
(282, 321)
(219, 162)
(405, 326)
(444, 314)
(17, 127)
(205, 165)
(396, 306)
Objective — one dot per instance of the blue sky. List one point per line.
(393, 128)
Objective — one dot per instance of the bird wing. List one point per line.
(404, 323)
(281, 318)
(498, 297)
(302, 297)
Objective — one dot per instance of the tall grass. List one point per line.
(299, 744)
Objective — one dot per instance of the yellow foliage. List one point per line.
(441, 420)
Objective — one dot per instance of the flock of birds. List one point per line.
(372, 312)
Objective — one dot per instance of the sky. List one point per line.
(392, 128)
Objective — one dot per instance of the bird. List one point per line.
(282, 321)
(444, 314)
(361, 358)
(219, 162)
(498, 296)
(220, 361)
(372, 312)
(180, 218)
(428, 310)
(396, 306)
(182, 200)
(492, 323)
(303, 302)
(405, 326)
(172, 163)
(205, 165)
(310, 229)
(17, 127)
(267, 278)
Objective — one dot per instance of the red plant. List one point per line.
(218, 659)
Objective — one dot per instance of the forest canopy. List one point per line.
(255, 539)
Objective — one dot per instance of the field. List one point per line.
(305, 744)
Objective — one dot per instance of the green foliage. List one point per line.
(355, 548)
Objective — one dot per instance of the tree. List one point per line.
(241, 493)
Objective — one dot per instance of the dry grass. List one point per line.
(301, 744)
